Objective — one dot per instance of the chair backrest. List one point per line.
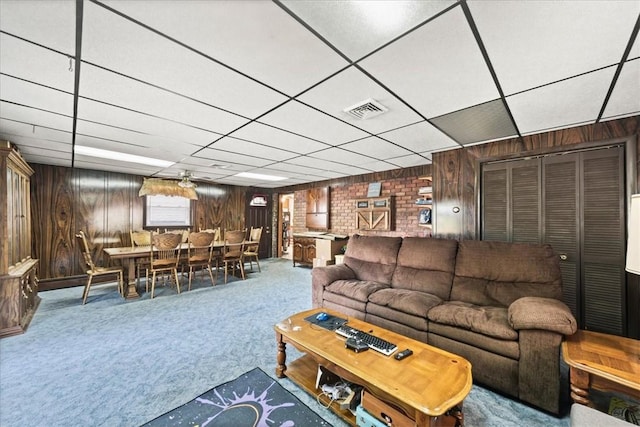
(140, 238)
(165, 249)
(234, 238)
(86, 253)
(215, 231)
(184, 234)
(254, 239)
(200, 246)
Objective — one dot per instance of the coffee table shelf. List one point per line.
(302, 371)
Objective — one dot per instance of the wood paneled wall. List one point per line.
(456, 172)
(106, 205)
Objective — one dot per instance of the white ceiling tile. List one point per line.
(32, 95)
(437, 68)
(409, 161)
(625, 98)
(308, 122)
(379, 166)
(51, 23)
(339, 155)
(324, 166)
(563, 104)
(535, 42)
(152, 58)
(250, 149)
(420, 137)
(37, 117)
(98, 112)
(138, 139)
(91, 163)
(293, 170)
(108, 87)
(48, 160)
(226, 157)
(39, 137)
(351, 87)
(255, 37)
(635, 49)
(35, 64)
(359, 27)
(268, 135)
(376, 147)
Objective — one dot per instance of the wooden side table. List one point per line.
(602, 362)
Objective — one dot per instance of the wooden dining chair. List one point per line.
(141, 238)
(200, 255)
(252, 247)
(95, 270)
(164, 257)
(215, 231)
(233, 252)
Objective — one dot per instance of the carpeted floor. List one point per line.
(123, 363)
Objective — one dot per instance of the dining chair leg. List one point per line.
(153, 283)
(85, 294)
(121, 283)
(175, 271)
(190, 276)
(211, 275)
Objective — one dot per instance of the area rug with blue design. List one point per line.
(252, 399)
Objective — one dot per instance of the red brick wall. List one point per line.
(343, 217)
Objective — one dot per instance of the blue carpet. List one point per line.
(116, 362)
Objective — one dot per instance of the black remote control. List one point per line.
(403, 354)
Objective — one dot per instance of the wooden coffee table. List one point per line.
(602, 362)
(425, 385)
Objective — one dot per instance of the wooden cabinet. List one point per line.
(18, 281)
(318, 205)
(374, 214)
(304, 250)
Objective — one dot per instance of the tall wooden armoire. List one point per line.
(18, 281)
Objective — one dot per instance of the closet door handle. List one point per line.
(563, 257)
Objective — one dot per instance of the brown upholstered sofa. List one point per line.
(496, 304)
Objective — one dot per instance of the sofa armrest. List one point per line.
(542, 313)
(322, 277)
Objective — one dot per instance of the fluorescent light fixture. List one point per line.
(259, 176)
(114, 155)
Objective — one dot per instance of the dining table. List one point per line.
(128, 256)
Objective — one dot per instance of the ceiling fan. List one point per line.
(185, 181)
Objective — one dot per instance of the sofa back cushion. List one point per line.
(498, 273)
(372, 258)
(426, 265)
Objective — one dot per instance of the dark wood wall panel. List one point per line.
(105, 205)
(456, 171)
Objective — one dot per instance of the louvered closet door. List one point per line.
(511, 201)
(575, 203)
(603, 252)
(561, 222)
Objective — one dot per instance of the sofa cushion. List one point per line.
(426, 265)
(406, 301)
(372, 258)
(358, 290)
(490, 321)
(498, 273)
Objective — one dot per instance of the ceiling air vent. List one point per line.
(366, 109)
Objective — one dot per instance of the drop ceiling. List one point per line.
(223, 87)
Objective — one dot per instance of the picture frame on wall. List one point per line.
(374, 189)
(424, 217)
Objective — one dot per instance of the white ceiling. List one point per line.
(222, 87)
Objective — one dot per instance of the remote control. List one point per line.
(403, 354)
